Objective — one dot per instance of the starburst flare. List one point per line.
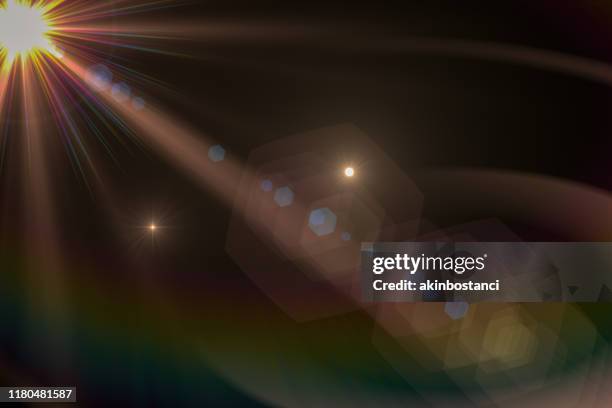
(26, 30)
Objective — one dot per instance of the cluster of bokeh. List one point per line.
(297, 233)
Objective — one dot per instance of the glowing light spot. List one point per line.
(216, 153)
(121, 92)
(100, 77)
(349, 172)
(456, 310)
(322, 221)
(153, 227)
(284, 196)
(25, 30)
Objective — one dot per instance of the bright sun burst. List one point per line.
(25, 29)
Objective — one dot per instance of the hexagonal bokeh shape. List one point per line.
(322, 221)
(216, 153)
(284, 196)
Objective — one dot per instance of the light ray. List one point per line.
(46, 281)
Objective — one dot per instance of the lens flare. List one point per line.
(25, 29)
